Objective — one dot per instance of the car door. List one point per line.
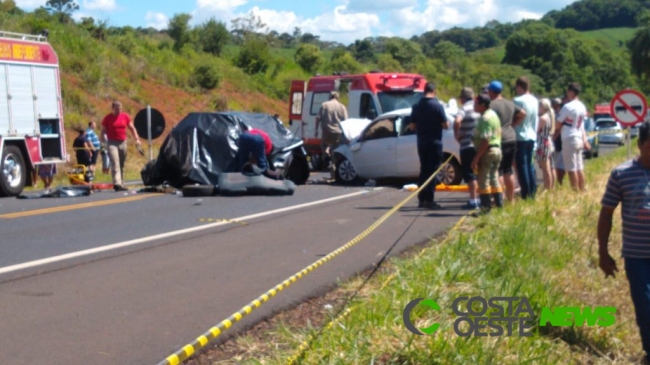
(407, 160)
(374, 156)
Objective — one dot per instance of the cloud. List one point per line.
(219, 5)
(374, 5)
(336, 25)
(105, 5)
(29, 4)
(156, 20)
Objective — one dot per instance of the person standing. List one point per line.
(428, 119)
(510, 115)
(464, 126)
(629, 185)
(557, 144)
(487, 139)
(544, 153)
(82, 148)
(96, 144)
(329, 118)
(574, 138)
(526, 135)
(114, 126)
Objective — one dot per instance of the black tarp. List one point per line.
(204, 145)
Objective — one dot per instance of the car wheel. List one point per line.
(450, 173)
(298, 170)
(198, 190)
(345, 172)
(13, 172)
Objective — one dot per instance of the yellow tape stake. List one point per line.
(187, 351)
(304, 346)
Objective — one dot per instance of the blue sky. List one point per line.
(333, 20)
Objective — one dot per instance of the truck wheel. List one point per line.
(13, 172)
(298, 171)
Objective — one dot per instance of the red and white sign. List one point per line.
(629, 107)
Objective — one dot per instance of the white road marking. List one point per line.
(53, 259)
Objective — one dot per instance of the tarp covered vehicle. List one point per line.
(204, 144)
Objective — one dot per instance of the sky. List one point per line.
(342, 21)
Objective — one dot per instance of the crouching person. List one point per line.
(487, 140)
(254, 147)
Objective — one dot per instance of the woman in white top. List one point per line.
(545, 131)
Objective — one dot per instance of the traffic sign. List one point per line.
(157, 123)
(629, 107)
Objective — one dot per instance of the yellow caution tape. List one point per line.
(214, 332)
(304, 346)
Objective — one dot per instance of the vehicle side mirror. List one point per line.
(355, 146)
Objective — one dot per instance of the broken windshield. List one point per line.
(390, 101)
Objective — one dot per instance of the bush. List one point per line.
(220, 103)
(207, 76)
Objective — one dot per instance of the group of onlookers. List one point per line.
(501, 138)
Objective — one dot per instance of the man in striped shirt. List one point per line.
(629, 184)
(464, 126)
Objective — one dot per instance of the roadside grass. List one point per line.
(544, 250)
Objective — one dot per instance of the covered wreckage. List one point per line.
(203, 146)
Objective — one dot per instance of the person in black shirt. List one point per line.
(428, 119)
(83, 148)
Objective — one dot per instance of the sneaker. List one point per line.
(470, 205)
(119, 188)
(434, 206)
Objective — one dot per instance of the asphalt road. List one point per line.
(130, 278)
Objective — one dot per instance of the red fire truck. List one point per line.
(369, 95)
(31, 109)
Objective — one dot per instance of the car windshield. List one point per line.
(390, 101)
(607, 124)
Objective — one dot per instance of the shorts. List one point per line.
(93, 159)
(48, 170)
(559, 161)
(572, 154)
(466, 157)
(508, 151)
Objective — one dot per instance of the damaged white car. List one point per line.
(386, 148)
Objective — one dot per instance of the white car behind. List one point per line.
(386, 148)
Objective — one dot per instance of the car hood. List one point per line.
(353, 127)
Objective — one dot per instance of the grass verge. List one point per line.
(544, 250)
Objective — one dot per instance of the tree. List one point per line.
(344, 62)
(254, 56)
(179, 30)
(639, 47)
(7, 6)
(387, 63)
(309, 57)
(213, 36)
(449, 53)
(62, 9)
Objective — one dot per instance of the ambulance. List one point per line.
(365, 95)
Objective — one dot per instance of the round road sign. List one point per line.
(629, 107)
(157, 123)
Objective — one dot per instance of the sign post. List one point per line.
(629, 107)
(149, 132)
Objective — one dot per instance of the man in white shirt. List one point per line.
(574, 138)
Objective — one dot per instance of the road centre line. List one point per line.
(65, 208)
(53, 259)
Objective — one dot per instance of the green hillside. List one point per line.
(613, 37)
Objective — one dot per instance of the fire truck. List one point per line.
(31, 110)
(368, 96)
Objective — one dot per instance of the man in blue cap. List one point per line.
(510, 115)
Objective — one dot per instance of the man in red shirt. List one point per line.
(114, 128)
